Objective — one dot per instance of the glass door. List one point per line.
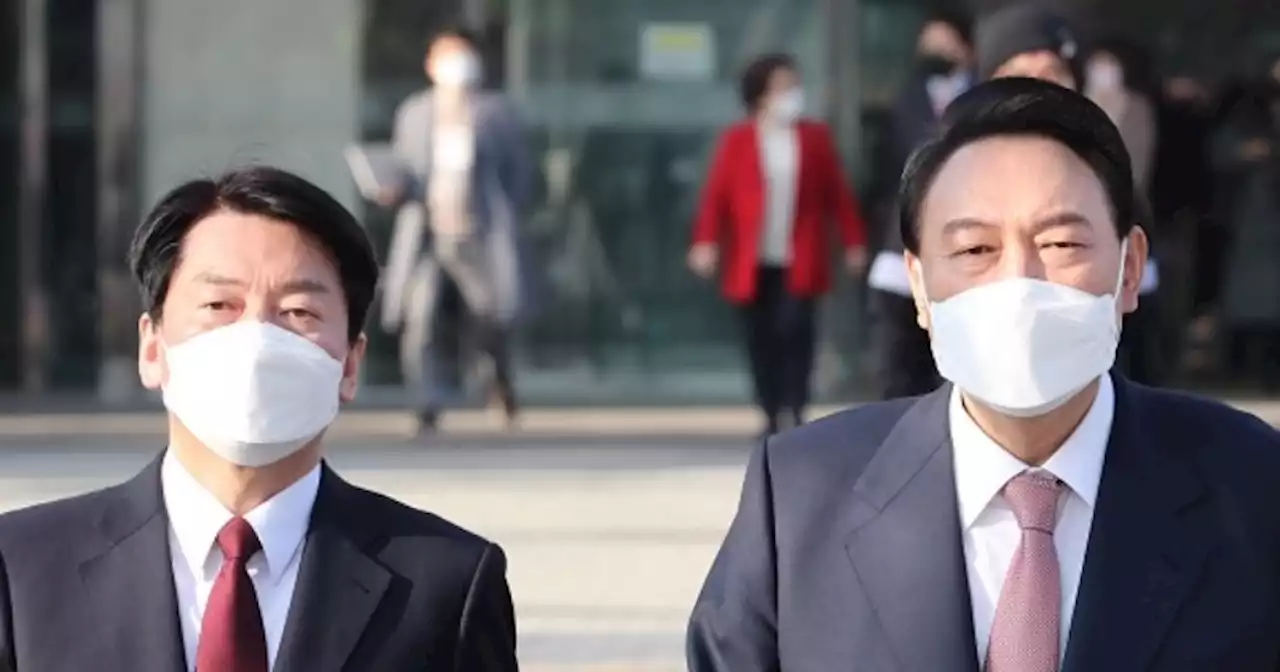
(70, 231)
(625, 99)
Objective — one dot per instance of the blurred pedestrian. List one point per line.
(1248, 156)
(1111, 82)
(1182, 200)
(942, 71)
(1030, 40)
(238, 549)
(458, 223)
(1115, 79)
(774, 189)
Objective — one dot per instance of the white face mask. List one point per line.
(786, 107)
(945, 88)
(1103, 76)
(1025, 347)
(456, 71)
(252, 392)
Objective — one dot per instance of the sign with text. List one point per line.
(678, 51)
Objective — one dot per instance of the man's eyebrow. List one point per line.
(294, 286)
(215, 279)
(963, 224)
(305, 286)
(1069, 218)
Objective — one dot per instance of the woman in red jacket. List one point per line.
(774, 189)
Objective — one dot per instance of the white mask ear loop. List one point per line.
(1124, 254)
(927, 305)
(1115, 296)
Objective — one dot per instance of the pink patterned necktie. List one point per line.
(1025, 635)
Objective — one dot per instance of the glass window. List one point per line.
(625, 99)
(70, 233)
(10, 311)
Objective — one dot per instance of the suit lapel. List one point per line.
(339, 584)
(906, 545)
(128, 581)
(1145, 552)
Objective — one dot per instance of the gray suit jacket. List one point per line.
(846, 551)
(500, 190)
(86, 584)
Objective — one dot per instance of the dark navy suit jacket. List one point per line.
(86, 584)
(846, 552)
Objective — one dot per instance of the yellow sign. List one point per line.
(678, 51)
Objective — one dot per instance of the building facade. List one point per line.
(105, 105)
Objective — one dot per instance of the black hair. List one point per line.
(953, 19)
(1026, 107)
(256, 190)
(755, 78)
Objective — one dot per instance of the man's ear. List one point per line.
(152, 369)
(351, 369)
(915, 275)
(1135, 263)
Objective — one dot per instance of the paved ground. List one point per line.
(608, 538)
(610, 517)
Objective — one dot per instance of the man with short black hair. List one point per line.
(238, 548)
(1039, 512)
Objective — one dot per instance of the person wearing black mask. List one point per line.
(942, 71)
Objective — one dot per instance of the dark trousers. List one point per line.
(780, 334)
(904, 360)
(1253, 355)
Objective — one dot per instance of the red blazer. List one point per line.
(731, 211)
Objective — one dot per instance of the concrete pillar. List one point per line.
(120, 59)
(245, 81)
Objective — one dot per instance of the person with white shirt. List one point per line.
(774, 191)
(1038, 512)
(459, 214)
(238, 549)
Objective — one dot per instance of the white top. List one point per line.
(780, 166)
(196, 517)
(990, 530)
(453, 153)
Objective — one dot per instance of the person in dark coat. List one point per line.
(1247, 154)
(942, 71)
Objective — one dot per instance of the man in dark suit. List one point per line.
(238, 549)
(943, 70)
(1038, 513)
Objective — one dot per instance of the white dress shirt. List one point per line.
(990, 530)
(780, 166)
(196, 517)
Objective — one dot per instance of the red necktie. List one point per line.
(231, 635)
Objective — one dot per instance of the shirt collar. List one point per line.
(196, 517)
(982, 467)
